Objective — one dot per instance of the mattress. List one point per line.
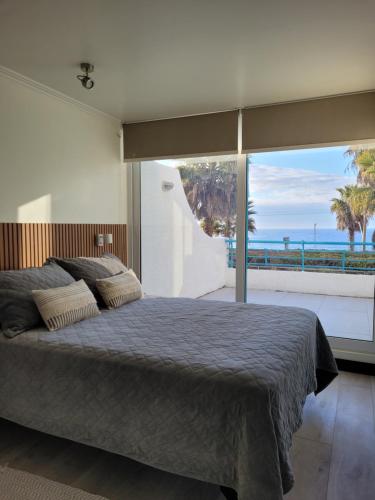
(209, 390)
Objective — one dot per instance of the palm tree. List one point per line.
(211, 190)
(250, 220)
(362, 205)
(353, 210)
(228, 226)
(363, 161)
(201, 182)
(345, 219)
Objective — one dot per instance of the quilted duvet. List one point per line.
(210, 390)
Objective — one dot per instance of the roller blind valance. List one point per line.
(328, 120)
(214, 133)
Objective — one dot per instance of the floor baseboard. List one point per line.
(355, 366)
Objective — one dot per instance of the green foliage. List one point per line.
(318, 260)
(210, 187)
(345, 219)
(363, 161)
(354, 208)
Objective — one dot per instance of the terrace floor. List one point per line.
(345, 317)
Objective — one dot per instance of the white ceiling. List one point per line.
(164, 58)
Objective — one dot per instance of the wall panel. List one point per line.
(30, 244)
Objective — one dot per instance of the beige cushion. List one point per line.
(120, 289)
(65, 305)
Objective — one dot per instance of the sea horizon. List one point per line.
(320, 237)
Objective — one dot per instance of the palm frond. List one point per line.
(210, 187)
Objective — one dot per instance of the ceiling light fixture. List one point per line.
(86, 81)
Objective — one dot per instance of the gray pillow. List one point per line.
(50, 275)
(18, 312)
(88, 269)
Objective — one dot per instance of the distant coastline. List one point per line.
(306, 234)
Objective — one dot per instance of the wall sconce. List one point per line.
(167, 186)
(108, 239)
(99, 240)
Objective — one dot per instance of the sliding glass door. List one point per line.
(290, 228)
(312, 238)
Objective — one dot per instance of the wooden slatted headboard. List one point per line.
(27, 245)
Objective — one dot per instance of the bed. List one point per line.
(209, 390)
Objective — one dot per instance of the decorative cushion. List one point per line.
(90, 269)
(18, 312)
(120, 289)
(66, 305)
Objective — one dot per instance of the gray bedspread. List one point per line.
(210, 390)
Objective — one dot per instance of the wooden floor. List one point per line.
(333, 455)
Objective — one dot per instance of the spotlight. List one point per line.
(86, 81)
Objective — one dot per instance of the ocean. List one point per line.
(321, 236)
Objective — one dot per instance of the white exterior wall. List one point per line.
(178, 258)
(345, 285)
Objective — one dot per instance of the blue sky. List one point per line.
(293, 189)
(328, 160)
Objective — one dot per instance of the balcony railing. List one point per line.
(305, 257)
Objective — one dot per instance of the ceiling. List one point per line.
(164, 58)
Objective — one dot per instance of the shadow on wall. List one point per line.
(178, 258)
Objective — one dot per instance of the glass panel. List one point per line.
(188, 214)
(313, 244)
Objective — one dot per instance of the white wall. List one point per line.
(178, 258)
(59, 162)
(345, 285)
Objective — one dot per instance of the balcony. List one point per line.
(344, 317)
(335, 283)
(179, 259)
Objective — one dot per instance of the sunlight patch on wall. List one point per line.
(38, 210)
